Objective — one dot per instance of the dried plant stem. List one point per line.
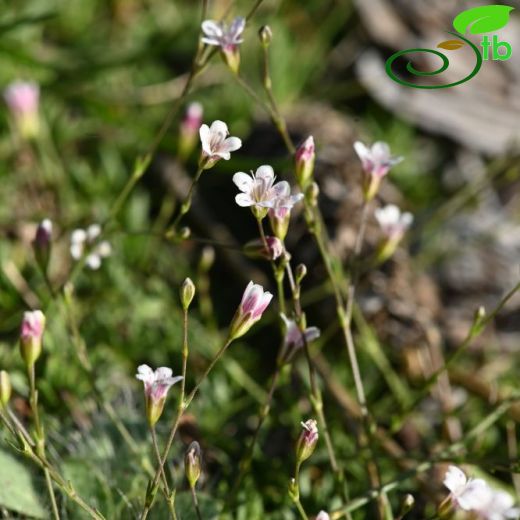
(40, 438)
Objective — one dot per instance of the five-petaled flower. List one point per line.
(254, 302)
(156, 387)
(226, 37)
(393, 224)
(85, 239)
(466, 494)
(22, 99)
(31, 336)
(376, 162)
(216, 144)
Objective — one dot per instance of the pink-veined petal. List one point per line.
(231, 144)
(243, 181)
(265, 173)
(220, 128)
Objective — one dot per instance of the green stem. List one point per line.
(195, 502)
(40, 439)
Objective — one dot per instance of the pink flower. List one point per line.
(376, 162)
(275, 246)
(216, 144)
(220, 35)
(156, 387)
(393, 223)
(31, 336)
(466, 494)
(22, 99)
(254, 302)
(307, 440)
(293, 338)
(305, 157)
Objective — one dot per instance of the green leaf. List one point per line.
(482, 19)
(451, 45)
(17, 491)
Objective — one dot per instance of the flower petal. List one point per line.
(205, 138)
(220, 128)
(265, 173)
(455, 479)
(231, 144)
(93, 261)
(243, 181)
(212, 29)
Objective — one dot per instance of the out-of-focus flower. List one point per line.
(499, 507)
(265, 34)
(304, 158)
(254, 302)
(394, 225)
(5, 388)
(466, 494)
(228, 38)
(22, 99)
(293, 338)
(31, 336)
(156, 387)
(322, 515)
(42, 243)
(259, 191)
(84, 241)
(192, 463)
(257, 249)
(216, 144)
(189, 129)
(376, 162)
(307, 440)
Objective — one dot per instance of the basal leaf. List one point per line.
(17, 491)
(482, 19)
(451, 45)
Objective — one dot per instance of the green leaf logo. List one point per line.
(483, 19)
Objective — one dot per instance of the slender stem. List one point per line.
(175, 426)
(253, 9)
(40, 438)
(299, 506)
(195, 502)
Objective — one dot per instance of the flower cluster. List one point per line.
(477, 496)
(85, 241)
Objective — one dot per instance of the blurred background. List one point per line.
(109, 70)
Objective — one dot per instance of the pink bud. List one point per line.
(307, 440)
(254, 302)
(31, 335)
(189, 129)
(42, 243)
(305, 157)
(22, 99)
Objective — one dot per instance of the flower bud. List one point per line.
(257, 249)
(192, 463)
(189, 129)
(207, 258)
(31, 335)
(266, 35)
(254, 302)
(311, 194)
(22, 99)
(42, 244)
(187, 293)
(406, 505)
(307, 441)
(300, 273)
(5, 387)
(304, 159)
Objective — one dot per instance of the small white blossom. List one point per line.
(82, 241)
(219, 34)
(322, 515)
(466, 494)
(376, 160)
(393, 223)
(499, 507)
(216, 144)
(158, 382)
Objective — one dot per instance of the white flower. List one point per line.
(156, 384)
(393, 223)
(377, 160)
(322, 515)
(467, 494)
(499, 507)
(82, 239)
(293, 336)
(259, 189)
(216, 144)
(219, 34)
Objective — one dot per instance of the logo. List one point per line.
(478, 20)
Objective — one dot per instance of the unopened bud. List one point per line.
(184, 233)
(406, 505)
(42, 244)
(307, 440)
(5, 387)
(257, 248)
(312, 193)
(207, 258)
(266, 35)
(22, 99)
(189, 129)
(31, 336)
(304, 159)
(192, 463)
(300, 273)
(187, 293)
